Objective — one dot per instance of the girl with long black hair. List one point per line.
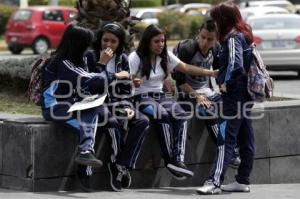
(150, 64)
(108, 56)
(65, 81)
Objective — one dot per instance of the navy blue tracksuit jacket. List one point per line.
(119, 97)
(234, 61)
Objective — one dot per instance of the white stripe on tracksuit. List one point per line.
(215, 129)
(183, 141)
(113, 144)
(220, 162)
(89, 170)
(95, 130)
(231, 46)
(137, 149)
(167, 138)
(80, 71)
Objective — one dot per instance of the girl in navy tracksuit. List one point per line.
(235, 37)
(65, 82)
(107, 56)
(150, 64)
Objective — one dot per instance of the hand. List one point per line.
(137, 82)
(106, 55)
(122, 75)
(223, 88)
(215, 73)
(130, 113)
(203, 101)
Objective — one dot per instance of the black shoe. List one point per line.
(126, 179)
(180, 168)
(88, 159)
(84, 182)
(176, 175)
(116, 175)
(235, 162)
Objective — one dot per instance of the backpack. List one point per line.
(35, 87)
(260, 85)
(185, 49)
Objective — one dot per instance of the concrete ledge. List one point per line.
(38, 156)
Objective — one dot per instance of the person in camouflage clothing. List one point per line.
(94, 13)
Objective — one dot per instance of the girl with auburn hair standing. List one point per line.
(235, 37)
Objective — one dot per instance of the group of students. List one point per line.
(135, 97)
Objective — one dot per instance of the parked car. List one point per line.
(173, 7)
(278, 3)
(38, 27)
(258, 11)
(277, 37)
(147, 15)
(195, 8)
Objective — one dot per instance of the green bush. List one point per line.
(179, 26)
(37, 2)
(5, 12)
(60, 2)
(71, 3)
(15, 73)
(139, 29)
(146, 3)
(195, 1)
(195, 23)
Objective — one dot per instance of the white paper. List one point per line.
(88, 102)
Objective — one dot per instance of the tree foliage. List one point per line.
(5, 13)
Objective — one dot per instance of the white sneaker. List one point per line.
(209, 188)
(235, 187)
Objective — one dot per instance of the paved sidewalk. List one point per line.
(274, 191)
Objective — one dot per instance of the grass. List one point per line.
(17, 104)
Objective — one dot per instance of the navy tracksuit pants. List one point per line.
(170, 120)
(211, 118)
(236, 127)
(85, 124)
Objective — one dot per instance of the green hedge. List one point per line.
(180, 26)
(37, 2)
(5, 12)
(195, 1)
(71, 3)
(15, 73)
(146, 3)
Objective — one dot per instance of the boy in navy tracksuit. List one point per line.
(202, 52)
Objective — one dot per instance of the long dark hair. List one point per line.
(227, 16)
(114, 28)
(144, 53)
(73, 44)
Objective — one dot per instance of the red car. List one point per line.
(38, 27)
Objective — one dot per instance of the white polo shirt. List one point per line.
(156, 79)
